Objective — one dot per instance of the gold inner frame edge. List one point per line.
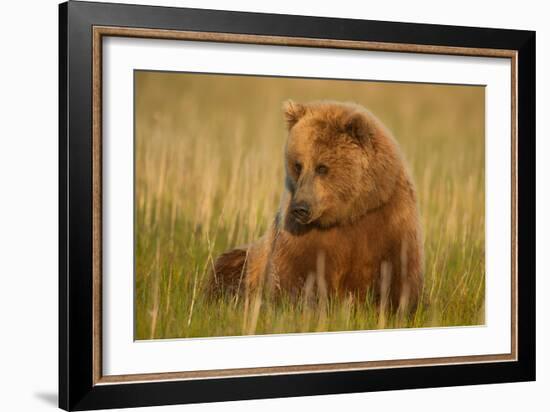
(101, 31)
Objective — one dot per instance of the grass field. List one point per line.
(209, 174)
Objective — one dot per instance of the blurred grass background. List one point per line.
(209, 174)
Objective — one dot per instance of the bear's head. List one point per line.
(340, 163)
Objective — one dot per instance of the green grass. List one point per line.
(209, 174)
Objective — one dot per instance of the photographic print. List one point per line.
(277, 205)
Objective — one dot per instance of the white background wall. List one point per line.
(28, 203)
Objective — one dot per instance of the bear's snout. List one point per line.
(301, 211)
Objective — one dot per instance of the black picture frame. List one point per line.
(77, 390)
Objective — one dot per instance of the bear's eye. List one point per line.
(321, 170)
(298, 167)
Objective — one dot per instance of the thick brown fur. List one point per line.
(362, 232)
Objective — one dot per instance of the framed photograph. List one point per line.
(256, 206)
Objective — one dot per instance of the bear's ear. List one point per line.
(293, 112)
(358, 128)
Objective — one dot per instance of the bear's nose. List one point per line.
(301, 211)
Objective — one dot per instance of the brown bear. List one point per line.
(348, 214)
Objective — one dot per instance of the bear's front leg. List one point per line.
(410, 280)
(385, 286)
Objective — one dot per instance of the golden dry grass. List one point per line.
(209, 173)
